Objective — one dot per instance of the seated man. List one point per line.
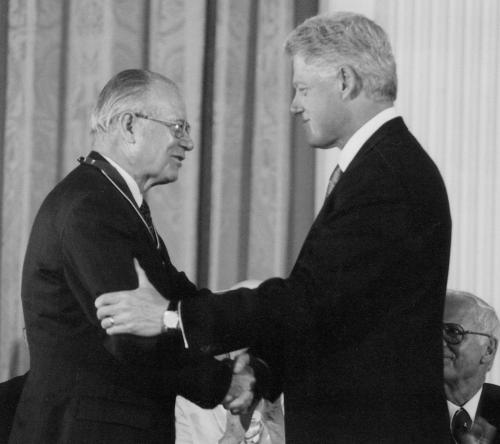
(470, 331)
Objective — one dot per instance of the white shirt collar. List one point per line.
(129, 180)
(358, 139)
(470, 406)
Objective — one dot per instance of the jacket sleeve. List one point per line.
(365, 236)
(98, 247)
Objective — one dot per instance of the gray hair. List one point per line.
(484, 314)
(345, 38)
(126, 91)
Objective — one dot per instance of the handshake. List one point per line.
(259, 420)
(247, 384)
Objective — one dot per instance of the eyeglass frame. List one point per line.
(462, 333)
(180, 128)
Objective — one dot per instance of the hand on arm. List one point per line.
(138, 312)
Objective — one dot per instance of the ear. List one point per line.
(489, 352)
(350, 82)
(126, 125)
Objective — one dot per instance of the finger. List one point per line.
(141, 275)
(108, 299)
(118, 329)
(107, 322)
(242, 402)
(105, 312)
(227, 399)
(241, 362)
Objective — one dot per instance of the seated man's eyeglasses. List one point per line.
(179, 129)
(454, 333)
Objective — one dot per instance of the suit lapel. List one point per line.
(388, 128)
(489, 405)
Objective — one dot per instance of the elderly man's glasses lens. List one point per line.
(454, 333)
(179, 129)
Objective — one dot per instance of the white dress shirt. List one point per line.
(359, 138)
(470, 406)
(129, 180)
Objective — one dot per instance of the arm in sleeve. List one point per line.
(99, 245)
(365, 238)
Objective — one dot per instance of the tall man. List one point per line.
(357, 323)
(84, 386)
(471, 331)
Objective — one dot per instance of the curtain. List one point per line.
(241, 206)
(448, 58)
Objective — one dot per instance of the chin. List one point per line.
(320, 143)
(448, 371)
(164, 180)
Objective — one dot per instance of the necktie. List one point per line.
(146, 214)
(460, 425)
(334, 178)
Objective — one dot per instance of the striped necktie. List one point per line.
(461, 424)
(334, 178)
(146, 214)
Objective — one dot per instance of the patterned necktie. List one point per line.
(146, 214)
(334, 178)
(460, 425)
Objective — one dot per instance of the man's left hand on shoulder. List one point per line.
(137, 312)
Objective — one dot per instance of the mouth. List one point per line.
(179, 157)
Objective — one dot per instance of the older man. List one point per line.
(471, 331)
(356, 325)
(84, 386)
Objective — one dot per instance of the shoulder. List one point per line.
(393, 159)
(84, 196)
(492, 392)
(489, 405)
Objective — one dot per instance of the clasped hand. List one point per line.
(139, 312)
(240, 396)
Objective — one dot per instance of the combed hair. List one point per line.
(484, 314)
(345, 38)
(126, 91)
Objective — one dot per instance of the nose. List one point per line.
(186, 142)
(296, 106)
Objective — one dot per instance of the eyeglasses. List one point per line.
(454, 333)
(180, 128)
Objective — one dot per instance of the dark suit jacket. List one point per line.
(357, 324)
(489, 408)
(85, 386)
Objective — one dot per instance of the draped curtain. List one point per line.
(448, 58)
(233, 212)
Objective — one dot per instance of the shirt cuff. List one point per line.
(179, 308)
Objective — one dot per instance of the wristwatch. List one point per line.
(170, 321)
